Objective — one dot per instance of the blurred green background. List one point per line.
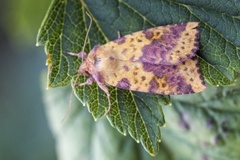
(24, 131)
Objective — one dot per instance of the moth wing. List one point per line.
(183, 78)
(165, 45)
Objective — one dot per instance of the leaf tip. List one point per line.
(37, 44)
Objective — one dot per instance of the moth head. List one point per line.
(84, 69)
(87, 66)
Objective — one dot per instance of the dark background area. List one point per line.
(24, 130)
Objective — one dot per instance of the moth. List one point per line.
(159, 60)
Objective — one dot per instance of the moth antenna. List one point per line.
(68, 108)
(70, 100)
(90, 24)
(82, 57)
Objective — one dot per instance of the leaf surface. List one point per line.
(80, 137)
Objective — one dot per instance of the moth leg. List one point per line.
(79, 55)
(89, 81)
(105, 89)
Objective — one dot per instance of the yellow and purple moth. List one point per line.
(160, 60)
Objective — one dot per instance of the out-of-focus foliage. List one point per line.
(24, 132)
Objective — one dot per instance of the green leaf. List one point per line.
(215, 76)
(139, 114)
(80, 137)
(206, 126)
(62, 30)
